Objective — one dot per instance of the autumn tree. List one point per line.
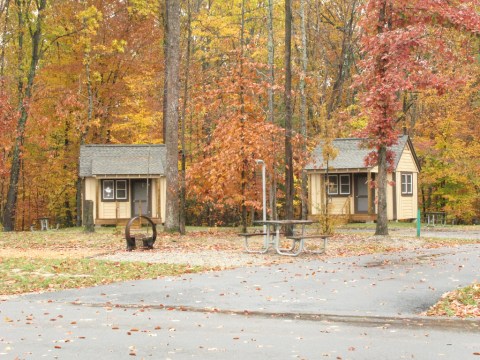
(241, 134)
(289, 185)
(30, 22)
(446, 136)
(404, 48)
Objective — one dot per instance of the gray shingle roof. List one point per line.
(351, 154)
(122, 160)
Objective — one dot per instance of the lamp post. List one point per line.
(264, 195)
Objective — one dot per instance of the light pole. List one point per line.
(264, 195)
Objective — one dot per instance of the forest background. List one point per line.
(99, 79)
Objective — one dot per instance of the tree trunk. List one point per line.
(303, 108)
(88, 216)
(382, 218)
(78, 200)
(242, 112)
(344, 60)
(24, 98)
(165, 73)
(271, 103)
(288, 115)
(271, 63)
(84, 132)
(184, 111)
(4, 40)
(172, 218)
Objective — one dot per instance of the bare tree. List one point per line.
(172, 216)
(183, 180)
(271, 100)
(303, 105)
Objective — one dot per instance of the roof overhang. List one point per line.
(129, 176)
(340, 171)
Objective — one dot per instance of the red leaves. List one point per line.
(405, 49)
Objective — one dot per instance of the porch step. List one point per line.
(363, 217)
(123, 221)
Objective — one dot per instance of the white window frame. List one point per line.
(407, 183)
(108, 191)
(347, 176)
(333, 184)
(113, 193)
(117, 189)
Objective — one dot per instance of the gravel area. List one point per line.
(208, 258)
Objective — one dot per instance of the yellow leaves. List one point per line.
(96, 76)
(143, 7)
(90, 19)
(118, 46)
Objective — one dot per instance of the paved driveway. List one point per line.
(363, 307)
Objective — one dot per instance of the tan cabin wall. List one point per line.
(315, 193)
(114, 210)
(123, 209)
(91, 193)
(338, 204)
(407, 163)
(162, 196)
(407, 206)
(154, 197)
(390, 202)
(159, 192)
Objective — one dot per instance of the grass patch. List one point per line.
(72, 238)
(21, 275)
(69, 258)
(464, 303)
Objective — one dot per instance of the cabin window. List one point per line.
(407, 184)
(108, 192)
(114, 190)
(121, 190)
(344, 184)
(332, 185)
(338, 184)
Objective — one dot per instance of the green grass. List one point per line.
(22, 275)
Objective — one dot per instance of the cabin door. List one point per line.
(361, 193)
(140, 203)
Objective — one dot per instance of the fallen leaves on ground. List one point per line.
(51, 260)
(462, 303)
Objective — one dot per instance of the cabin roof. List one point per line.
(145, 160)
(352, 153)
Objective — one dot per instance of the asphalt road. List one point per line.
(362, 307)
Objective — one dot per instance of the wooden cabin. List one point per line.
(124, 181)
(347, 184)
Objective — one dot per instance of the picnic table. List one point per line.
(436, 217)
(271, 237)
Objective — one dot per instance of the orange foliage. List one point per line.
(240, 135)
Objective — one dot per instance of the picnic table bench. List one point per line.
(248, 247)
(311, 236)
(438, 217)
